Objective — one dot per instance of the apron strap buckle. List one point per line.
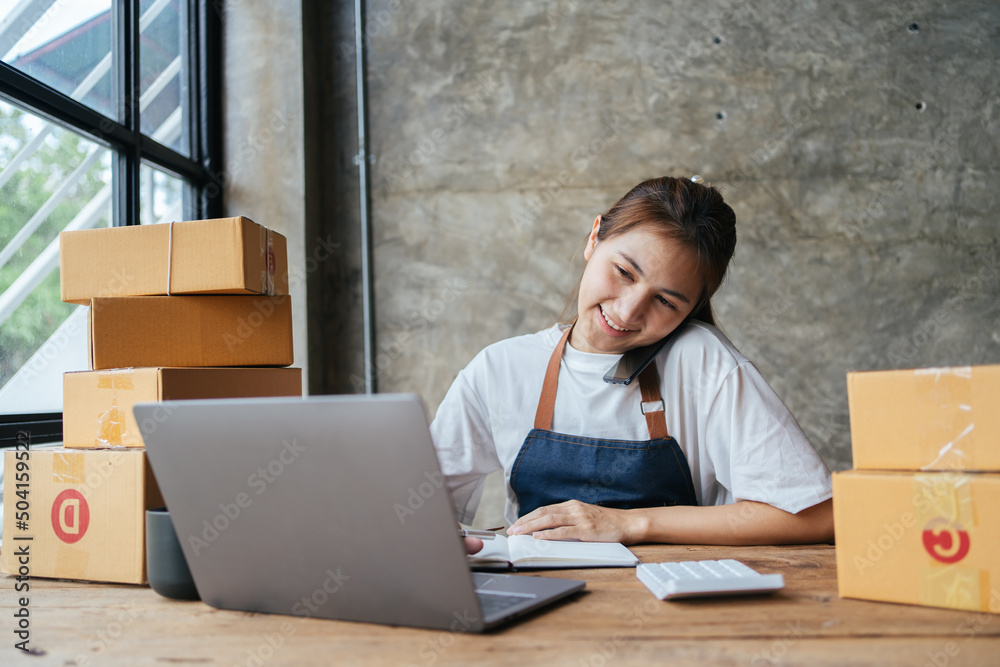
(652, 406)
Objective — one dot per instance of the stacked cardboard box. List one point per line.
(186, 310)
(918, 519)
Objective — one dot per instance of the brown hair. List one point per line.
(689, 212)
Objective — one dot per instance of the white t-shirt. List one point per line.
(740, 440)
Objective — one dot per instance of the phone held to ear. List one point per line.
(634, 362)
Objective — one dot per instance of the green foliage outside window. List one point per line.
(34, 182)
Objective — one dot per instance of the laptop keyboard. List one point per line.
(493, 603)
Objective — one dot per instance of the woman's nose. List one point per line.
(629, 308)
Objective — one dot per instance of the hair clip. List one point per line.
(697, 179)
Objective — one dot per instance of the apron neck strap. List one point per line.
(649, 386)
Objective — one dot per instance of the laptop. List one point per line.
(327, 507)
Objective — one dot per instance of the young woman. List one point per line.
(699, 450)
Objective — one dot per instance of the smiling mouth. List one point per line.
(612, 324)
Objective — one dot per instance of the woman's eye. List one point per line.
(666, 303)
(623, 272)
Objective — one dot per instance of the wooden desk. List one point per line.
(614, 622)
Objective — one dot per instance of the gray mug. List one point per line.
(166, 567)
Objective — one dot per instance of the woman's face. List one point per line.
(637, 287)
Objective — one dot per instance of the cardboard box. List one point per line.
(926, 419)
(97, 405)
(919, 538)
(223, 256)
(140, 331)
(85, 517)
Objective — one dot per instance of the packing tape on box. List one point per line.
(111, 425)
(266, 242)
(946, 512)
(955, 587)
(71, 563)
(170, 252)
(947, 393)
(68, 468)
(119, 378)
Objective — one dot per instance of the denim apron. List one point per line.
(554, 467)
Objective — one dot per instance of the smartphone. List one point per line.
(635, 361)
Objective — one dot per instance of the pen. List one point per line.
(481, 534)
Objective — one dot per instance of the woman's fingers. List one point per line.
(473, 545)
(573, 520)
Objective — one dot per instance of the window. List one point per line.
(109, 115)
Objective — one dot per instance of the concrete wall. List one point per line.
(264, 148)
(857, 142)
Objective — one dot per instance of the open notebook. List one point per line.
(524, 551)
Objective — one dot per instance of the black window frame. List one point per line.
(201, 172)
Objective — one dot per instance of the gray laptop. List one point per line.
(329, 507)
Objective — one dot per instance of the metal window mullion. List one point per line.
(163, 156)
(207, 147)
(125, 63)
(26, 92)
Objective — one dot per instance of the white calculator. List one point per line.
(705, 578)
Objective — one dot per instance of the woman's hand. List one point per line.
(473, 545)
(581, 521)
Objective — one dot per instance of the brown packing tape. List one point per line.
(953, 587)
(262, 253)
(945, 495)
(120, 378)
(170, 253)
(266, 243)
(111, 424)
(986, 592)
(946, 513)
(110, 427)
(271, 263)
(68, 468)
(71, 562)
(947, 394)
